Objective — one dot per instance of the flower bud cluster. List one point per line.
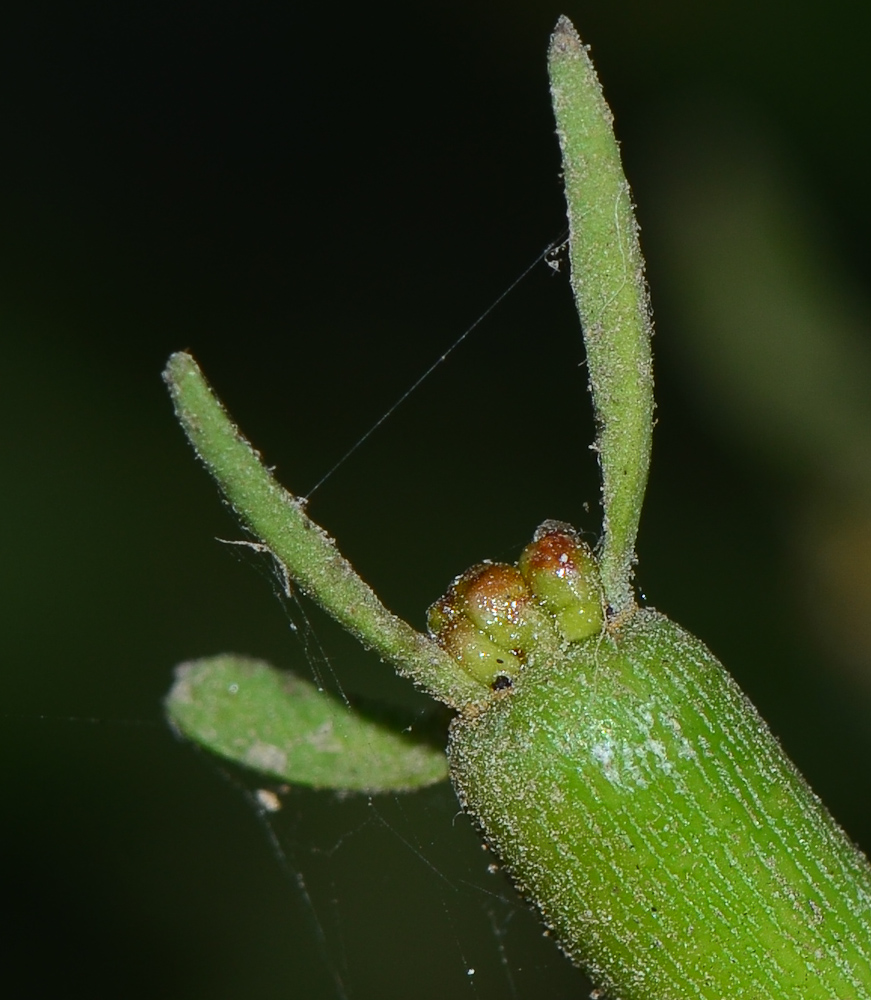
(495, 616)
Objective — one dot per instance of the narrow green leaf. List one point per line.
(278, 724)
(309, 556)
(611, 298)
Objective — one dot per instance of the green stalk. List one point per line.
(308, 555)
(669, 843)
(612, 302)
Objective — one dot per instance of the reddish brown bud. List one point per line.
(563, 574)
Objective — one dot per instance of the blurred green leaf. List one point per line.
(282, 725)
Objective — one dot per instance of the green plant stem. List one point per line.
(641, 802)
(611, 297)
(308, 555)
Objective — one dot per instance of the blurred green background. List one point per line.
(317, 201)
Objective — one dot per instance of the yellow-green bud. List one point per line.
(499, 602)
(563, 574)
(475, 651)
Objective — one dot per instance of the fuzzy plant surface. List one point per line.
(632, 791)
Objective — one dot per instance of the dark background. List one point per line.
(317, 201)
